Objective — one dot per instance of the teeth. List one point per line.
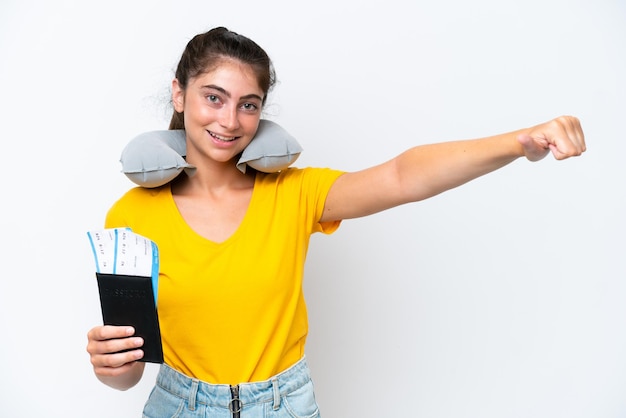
(223, 138)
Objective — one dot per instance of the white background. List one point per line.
(503, 298)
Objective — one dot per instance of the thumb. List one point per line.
(534, 148)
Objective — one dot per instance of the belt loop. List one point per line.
(192, 394)
(276, 393)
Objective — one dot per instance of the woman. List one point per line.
(232, 245)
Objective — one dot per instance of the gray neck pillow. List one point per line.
(154, 158)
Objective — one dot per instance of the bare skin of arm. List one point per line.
(425, 171)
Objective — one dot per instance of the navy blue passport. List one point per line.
(129, 300)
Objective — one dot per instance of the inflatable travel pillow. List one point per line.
(154, 158)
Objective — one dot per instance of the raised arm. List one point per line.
(427, 170)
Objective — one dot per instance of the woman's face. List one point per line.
(222, 109)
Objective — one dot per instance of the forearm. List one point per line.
(428, 170)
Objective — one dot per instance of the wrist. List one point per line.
(516, 142)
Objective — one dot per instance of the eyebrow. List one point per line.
(227, 94)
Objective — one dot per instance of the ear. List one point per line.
(178, 96)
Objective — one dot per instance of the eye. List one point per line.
(212, 98)
(249, 107)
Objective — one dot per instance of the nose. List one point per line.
(228, 117)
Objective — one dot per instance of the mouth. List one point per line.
(221, 138)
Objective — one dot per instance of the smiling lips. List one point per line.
(223, 138)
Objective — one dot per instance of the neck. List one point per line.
(212, 178)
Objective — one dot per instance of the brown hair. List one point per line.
(205, 51)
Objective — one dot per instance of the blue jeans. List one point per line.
(289, 394)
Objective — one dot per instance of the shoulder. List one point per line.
(294, 175)
(135, 203)
(308, 186)
(143, 193)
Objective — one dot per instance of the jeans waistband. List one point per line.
(198, 391)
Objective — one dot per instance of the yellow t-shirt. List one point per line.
(234, 311)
